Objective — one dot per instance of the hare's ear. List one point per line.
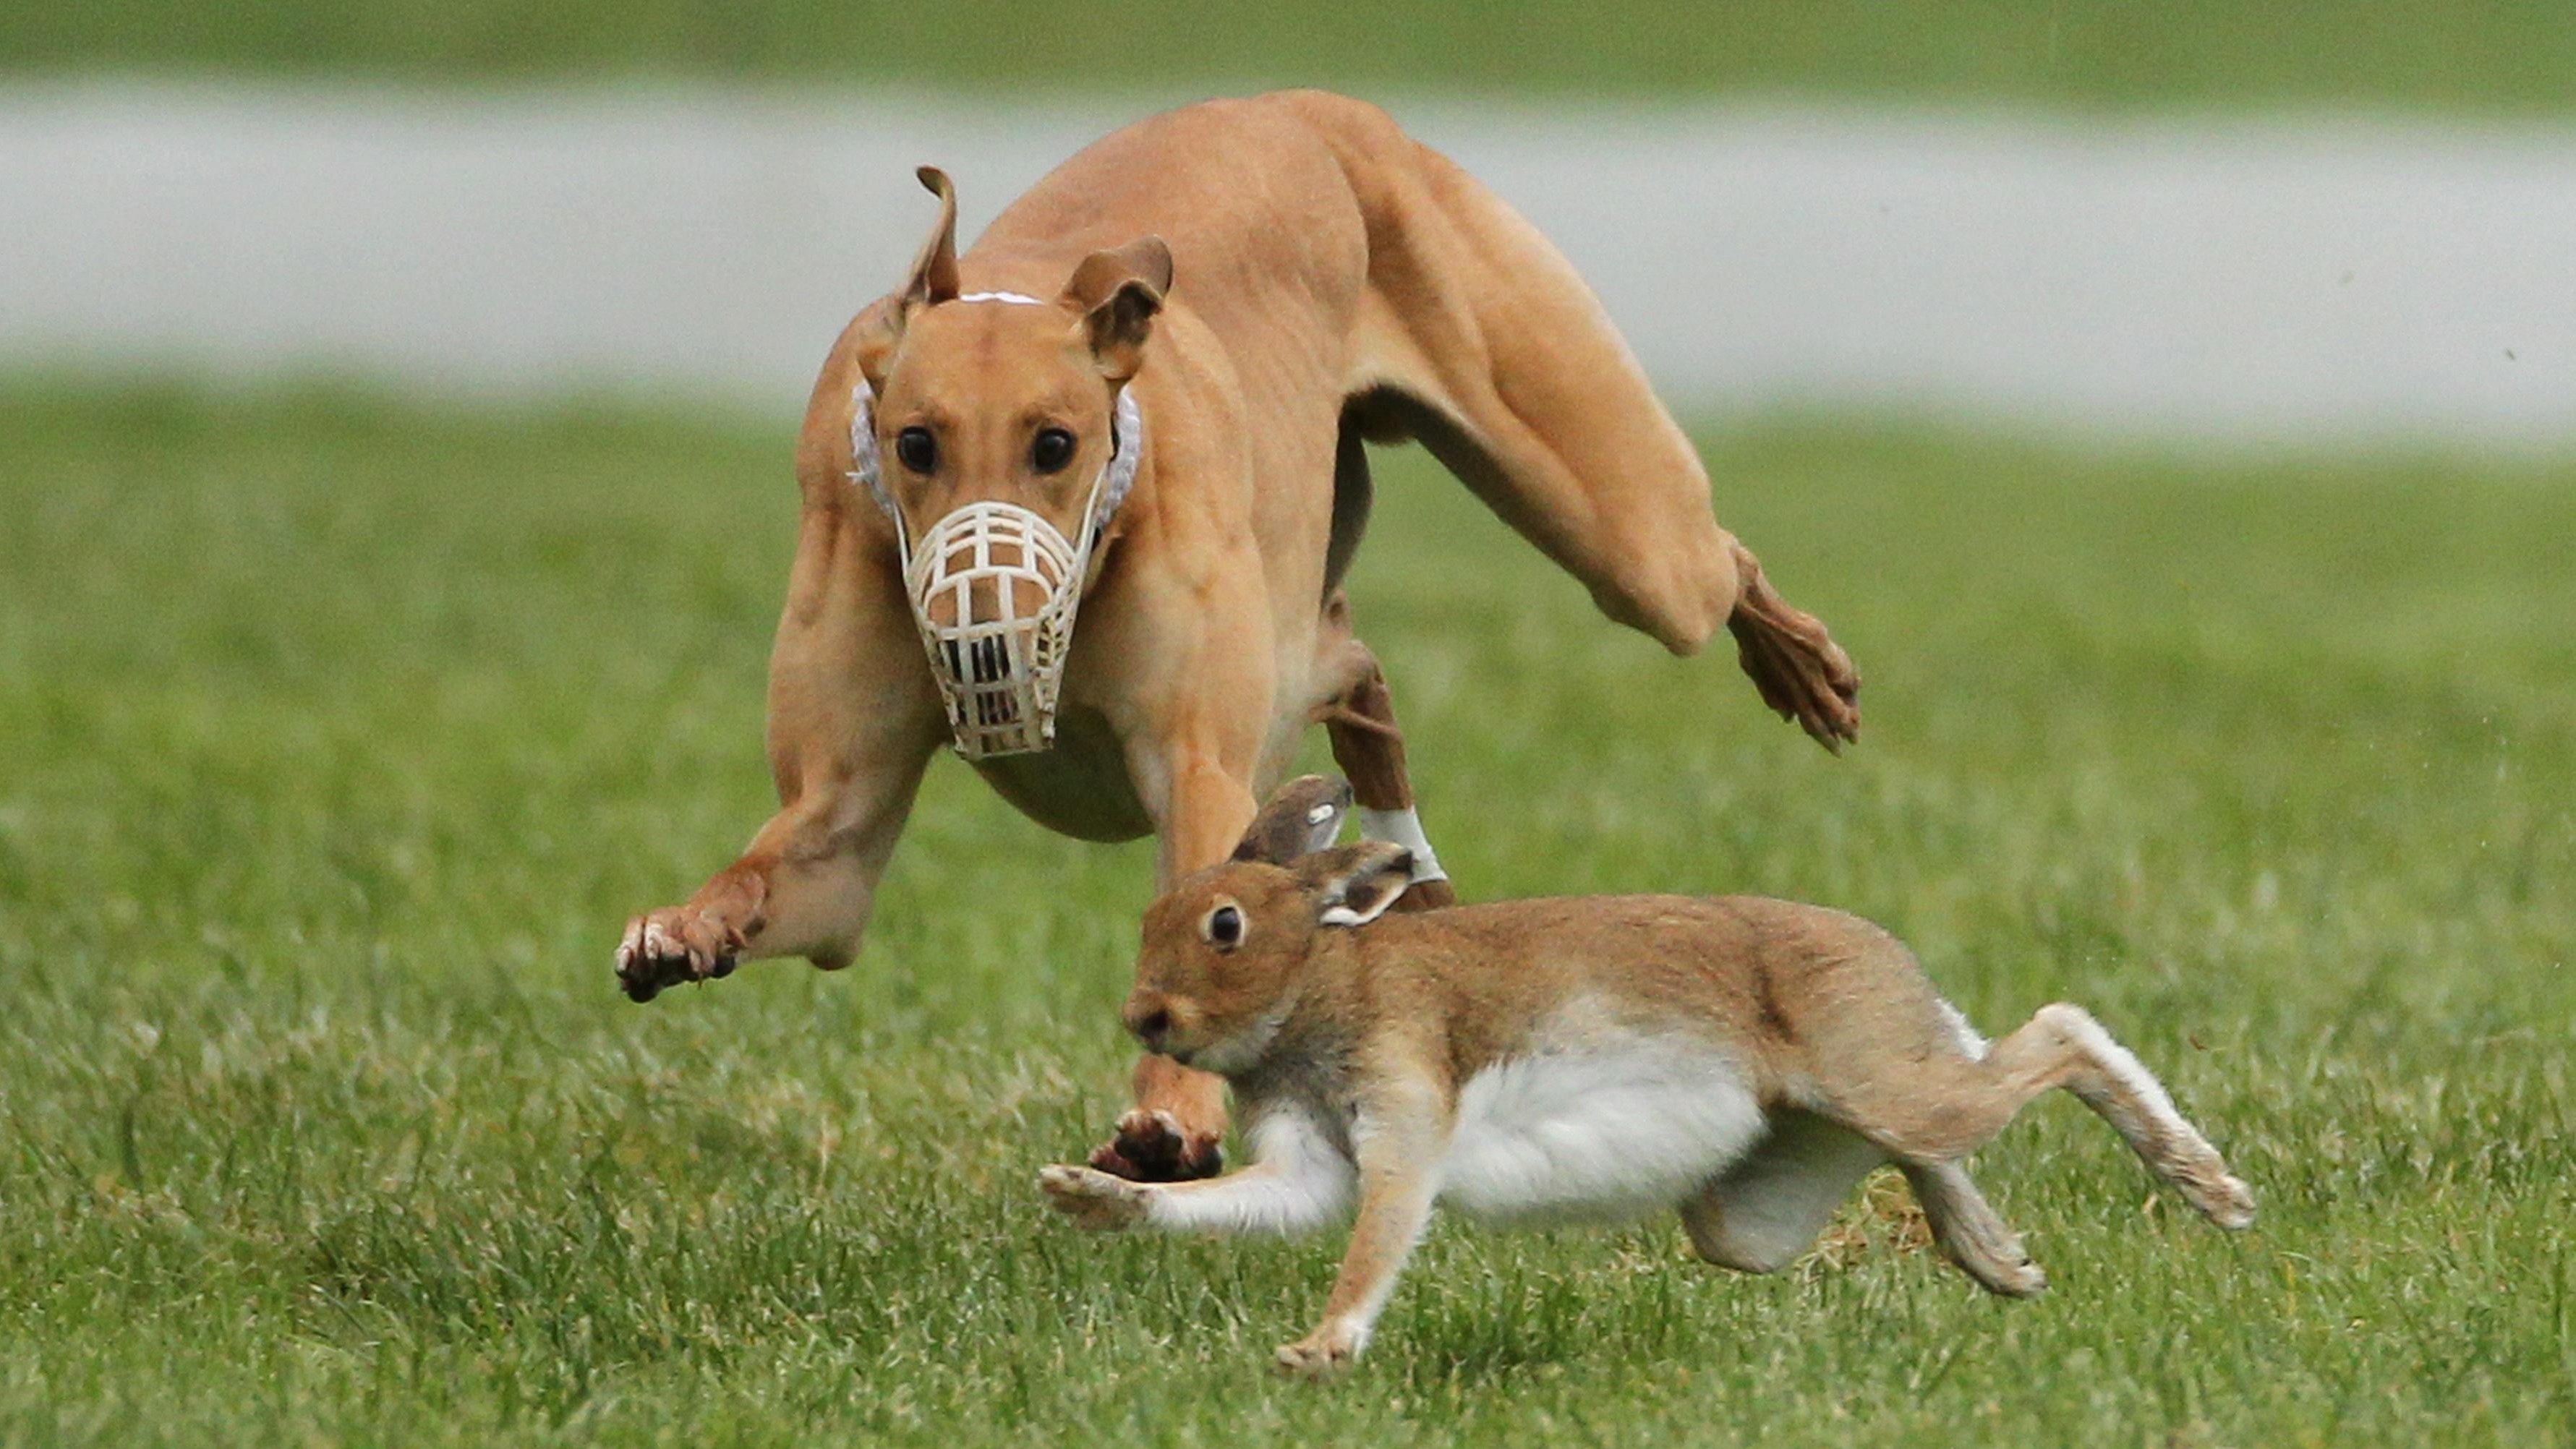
(1301, 818)
(1353, 885)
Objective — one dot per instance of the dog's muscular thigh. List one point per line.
(1479, 339)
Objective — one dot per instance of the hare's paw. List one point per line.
(673, 945)
(1096, 1201)
(2222, 1199)
(1154, 1147)
(1325, 1353)
(2014, 1277)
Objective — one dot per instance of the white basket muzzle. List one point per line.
(994, 588)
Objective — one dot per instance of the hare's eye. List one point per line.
(918, 450)
(1052, 450)
(1225, 928)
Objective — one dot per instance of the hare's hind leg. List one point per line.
(1970, 1233)
(1935, 1112)
(2120, 1089)
(1764, 1211)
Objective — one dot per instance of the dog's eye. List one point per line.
(1225, 928)
(918, 450)
(1052, 450)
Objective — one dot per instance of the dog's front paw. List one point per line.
(672, 945)
(1096, 1201)
(1154, 1147)
(1325, 1353)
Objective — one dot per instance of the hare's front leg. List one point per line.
(1399, 1172)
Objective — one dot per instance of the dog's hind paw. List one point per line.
(1802, 673)
(1153, 1147)
(673, 945)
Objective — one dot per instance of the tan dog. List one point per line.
(1744, 1060)
(1145, 392)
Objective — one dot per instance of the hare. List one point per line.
(1744, 1060)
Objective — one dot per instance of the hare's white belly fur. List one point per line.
(1597, 1129)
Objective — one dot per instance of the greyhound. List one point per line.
(1052, 424)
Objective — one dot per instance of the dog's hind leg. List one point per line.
(1359, 722)
(1477, 337)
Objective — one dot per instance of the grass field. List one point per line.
(2502, 56)
(337, 741)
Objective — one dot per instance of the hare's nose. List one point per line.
(1150, 1025)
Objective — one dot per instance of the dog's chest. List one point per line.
(1601, 1129)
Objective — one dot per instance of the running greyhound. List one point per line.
(1143, 396)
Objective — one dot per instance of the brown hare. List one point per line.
(1744, 1060)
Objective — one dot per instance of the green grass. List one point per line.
(2510, 56)
(337, 740)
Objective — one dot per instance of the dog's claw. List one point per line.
(1153, 1147)
(672, 946)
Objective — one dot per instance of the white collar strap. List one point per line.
(1016, 299)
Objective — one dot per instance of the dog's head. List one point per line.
(999, 396)
(993, 428)
(1225, 951)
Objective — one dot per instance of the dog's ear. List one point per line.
(934, 272)
(1303, 817)
(1352, 885)
(933, 280)
(1118, 292)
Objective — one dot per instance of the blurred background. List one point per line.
(2333, 223)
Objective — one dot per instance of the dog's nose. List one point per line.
(1149, 1024)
